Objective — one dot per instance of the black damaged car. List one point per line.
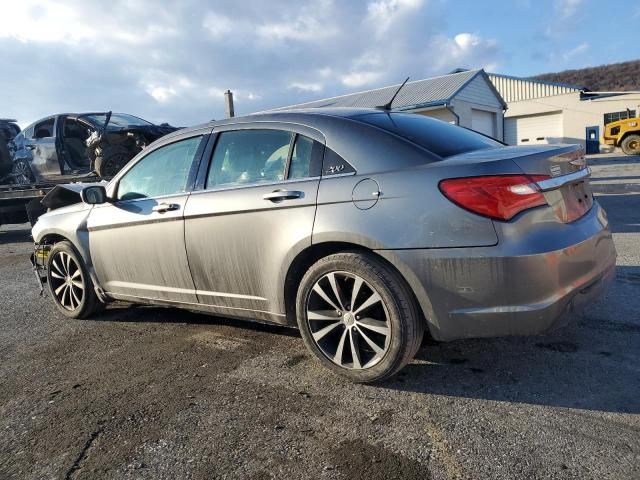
(67, 146)
(8, 131)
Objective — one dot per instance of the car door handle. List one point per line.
(165, 207)
(279, 195)
(31, 147)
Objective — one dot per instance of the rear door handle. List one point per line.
(279, 195)
(165, 207)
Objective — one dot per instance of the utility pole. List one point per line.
(228, 104)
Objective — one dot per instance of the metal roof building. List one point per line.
(467, 98)
(514, 89)
(548, 112)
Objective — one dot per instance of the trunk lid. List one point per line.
(567, 190)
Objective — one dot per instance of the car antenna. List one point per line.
(387, 106)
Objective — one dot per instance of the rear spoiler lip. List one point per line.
(557, 182)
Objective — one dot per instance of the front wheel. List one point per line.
(631, 145)
(69, 282)
(358, 317)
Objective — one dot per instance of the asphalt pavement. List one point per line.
(142, 392)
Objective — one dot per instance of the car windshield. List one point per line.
(118, 120)
(441, 138)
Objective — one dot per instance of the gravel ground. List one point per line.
(162, 393)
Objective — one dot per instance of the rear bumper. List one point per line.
(514, 288)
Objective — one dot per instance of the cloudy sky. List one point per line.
(172, 61)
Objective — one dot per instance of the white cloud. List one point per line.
(579, 50)
(174, 62)
(306, 87)
(384, 13)
(162, 94)
(568, 8)
(53, 22)
(360, 79)
(218, 25)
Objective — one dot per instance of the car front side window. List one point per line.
(165, 171)
(249, 156)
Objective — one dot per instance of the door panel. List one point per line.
(43, 149)
(238, 242)
(137, 242)
(138, 251)
(241, 237)
(593, 139)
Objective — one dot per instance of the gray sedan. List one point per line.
(364, 228)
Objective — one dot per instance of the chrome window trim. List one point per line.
(335, 175)
(557, 182)
(224, 188)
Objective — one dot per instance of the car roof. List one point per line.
(305, 116)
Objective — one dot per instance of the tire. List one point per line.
(393, 322)
(69, 282)
(22, 173)
(631, 145)
(112, 160)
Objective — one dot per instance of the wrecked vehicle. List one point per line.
(364, 228)
(72, 146)
(8, 131)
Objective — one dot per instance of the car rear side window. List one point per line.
(306, 158)
(440, 138)
(249, 156)
(164, 171)
(44, 129)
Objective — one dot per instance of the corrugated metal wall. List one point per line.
(516, 89)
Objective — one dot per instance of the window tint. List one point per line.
(44, 129)
(249, 156)
(306, 159)
(438, 137)
(164, 171)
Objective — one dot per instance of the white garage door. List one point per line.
(483, 122)
(533, 129)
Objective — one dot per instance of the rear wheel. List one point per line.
(358, 317)
(69, 282)
(22, 173)
(631, 145)
(111, 161)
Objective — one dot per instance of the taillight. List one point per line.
(495, 196)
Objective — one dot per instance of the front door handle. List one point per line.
(165, 207)
(279, 195)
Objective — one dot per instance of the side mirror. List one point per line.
(94, 195)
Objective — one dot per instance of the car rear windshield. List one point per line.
(441, 138)
(118, 120)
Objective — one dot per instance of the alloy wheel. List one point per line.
(22, 173)
(66, 279)
(348, 320)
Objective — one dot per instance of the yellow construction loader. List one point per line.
(624, 134)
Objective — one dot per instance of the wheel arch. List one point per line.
(315, 252)
(53, 236)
